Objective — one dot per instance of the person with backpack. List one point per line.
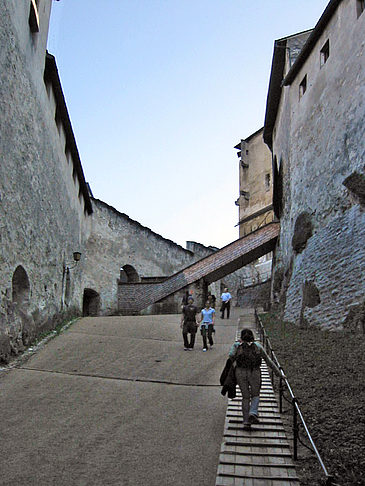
(189, 324)
(247, 355)
(207, 325)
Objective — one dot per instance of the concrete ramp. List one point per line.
(134, 297)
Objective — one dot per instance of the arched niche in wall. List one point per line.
(68, 287)
(90, 303)
(128, 274)
(278, 201)
(20, 287)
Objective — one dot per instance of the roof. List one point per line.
(274, 93)
(238, 146)
(51, 76)
(278, 64)
(311, 41)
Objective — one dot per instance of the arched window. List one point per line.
(20, 287)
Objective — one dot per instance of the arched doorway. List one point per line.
(90, 303)
(20, 287)
(128, 274)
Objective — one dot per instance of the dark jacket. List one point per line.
(228, 379)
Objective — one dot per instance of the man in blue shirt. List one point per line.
(226, 303)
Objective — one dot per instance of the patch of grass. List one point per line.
(326, 371)
(63, 325)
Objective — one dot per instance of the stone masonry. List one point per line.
(315, 125)
(132, 298)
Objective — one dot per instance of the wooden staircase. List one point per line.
(262, 455)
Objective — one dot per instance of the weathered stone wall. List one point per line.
(134, 297)
(320, 143)
(255, 296)
(42, 217)
(117, 241)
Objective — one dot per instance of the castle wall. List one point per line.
(319, 141)
(117, 241)
(43, 219)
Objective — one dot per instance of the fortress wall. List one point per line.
(320, 141)
(42, 218)
(115, 241)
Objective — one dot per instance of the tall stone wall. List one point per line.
(43, 220)
(117, 241)
(320, 146)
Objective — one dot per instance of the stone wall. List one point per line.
(255, 296)
(320, 147)
(43, 219)
(134, 297)
(117, 241)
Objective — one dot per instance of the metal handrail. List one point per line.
(264, 338)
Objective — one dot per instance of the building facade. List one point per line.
(255, 201)
(315, 127)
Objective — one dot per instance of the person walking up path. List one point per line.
(189, 324)
(226, 303)
(247, 356)
(207, 325)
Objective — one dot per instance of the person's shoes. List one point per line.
(190, 349)
(204, 349)
(186, 349)
(246, 426)
(253, 419)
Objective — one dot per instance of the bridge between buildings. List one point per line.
(134, 297)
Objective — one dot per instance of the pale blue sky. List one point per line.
(160, 91)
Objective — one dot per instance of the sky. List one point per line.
(160, 91)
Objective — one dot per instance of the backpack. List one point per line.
(248, 356)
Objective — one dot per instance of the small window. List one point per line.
(303, 86)
(325, 53)
(34, 16)
(360, 7)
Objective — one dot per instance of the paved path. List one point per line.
(115, 401)
(262, 456)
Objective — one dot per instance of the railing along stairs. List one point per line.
(297, 416)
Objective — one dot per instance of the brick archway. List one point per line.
(129, 274)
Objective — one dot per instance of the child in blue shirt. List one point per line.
(207, 325)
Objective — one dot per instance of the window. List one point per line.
(303, 86)
(267, 182)
(325, 53)
(34, 16)
(360, 7)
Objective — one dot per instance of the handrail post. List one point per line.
(281, 394)
(295, 429)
